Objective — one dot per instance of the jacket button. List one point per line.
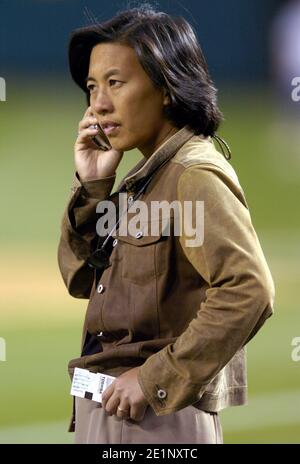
(100, 288)
(161, 393)
(130, 199)
(139, 234)
(115, 242)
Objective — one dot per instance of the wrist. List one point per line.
(95, 178)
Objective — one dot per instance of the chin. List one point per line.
(121, 145)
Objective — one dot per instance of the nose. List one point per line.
(102, 103)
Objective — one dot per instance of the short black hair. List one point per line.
(169, 52)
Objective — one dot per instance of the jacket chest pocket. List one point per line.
(144, 253)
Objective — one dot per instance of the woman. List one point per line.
(168, 316)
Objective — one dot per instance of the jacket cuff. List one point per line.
(164, 389)
(99, 188)
(86, 196)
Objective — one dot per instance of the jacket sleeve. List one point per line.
(78, 231)
(238, 300)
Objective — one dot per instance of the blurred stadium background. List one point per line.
(40, 322)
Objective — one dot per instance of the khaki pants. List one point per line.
(189, 425)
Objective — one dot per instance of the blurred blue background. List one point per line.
(34, 34)
(252, 50)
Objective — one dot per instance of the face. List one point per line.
(121, 91)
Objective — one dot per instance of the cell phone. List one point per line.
(101, 139)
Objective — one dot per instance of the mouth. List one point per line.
(110, 128)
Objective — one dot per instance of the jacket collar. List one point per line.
(161, 155)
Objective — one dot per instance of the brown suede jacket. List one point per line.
(182, 313)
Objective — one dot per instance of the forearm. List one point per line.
(238, 301)
(78, 232)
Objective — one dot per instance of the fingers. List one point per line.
(85, 134)
(124, 402)
(111, 406)
(87, 127)
(108, 393)
(137, 412)
(123, 411)
(88, 112)
(86, 122)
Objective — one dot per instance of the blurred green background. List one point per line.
(41, 323)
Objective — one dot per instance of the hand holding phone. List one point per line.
(94, 156)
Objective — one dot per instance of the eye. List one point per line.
(113, 82)
(90, 87)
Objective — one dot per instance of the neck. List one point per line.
(162, 137)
